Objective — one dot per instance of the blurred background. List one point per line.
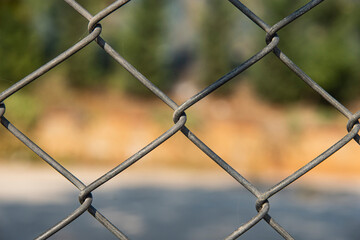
(90, 114)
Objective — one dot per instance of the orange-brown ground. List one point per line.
(256, 138)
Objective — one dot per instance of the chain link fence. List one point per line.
(179, 117)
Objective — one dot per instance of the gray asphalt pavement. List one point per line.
(154, 206)
(186, 214)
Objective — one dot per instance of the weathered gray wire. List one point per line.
(262, 204)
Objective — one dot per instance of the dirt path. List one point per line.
(257, 139)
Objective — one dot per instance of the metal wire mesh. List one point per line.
(179, 118)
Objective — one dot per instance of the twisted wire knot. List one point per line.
(2, 109)
(83, 197)
(260, 202)
(178, 113)
(351, 123)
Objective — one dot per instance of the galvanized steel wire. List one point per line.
(179, 117)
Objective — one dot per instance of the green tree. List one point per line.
(324, 43)
(20, 49)
(34, 32)
(215, 42)
(89, 67)
(142, 44)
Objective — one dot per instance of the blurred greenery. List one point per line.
(24, 107)
(324, 43)
(145, 39)
(18, 49)
(215, 45)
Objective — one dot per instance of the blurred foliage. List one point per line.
(215, 42)
(25, 108)
(87, 67)
(18, 49)
(324, 43)
(144, 41)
